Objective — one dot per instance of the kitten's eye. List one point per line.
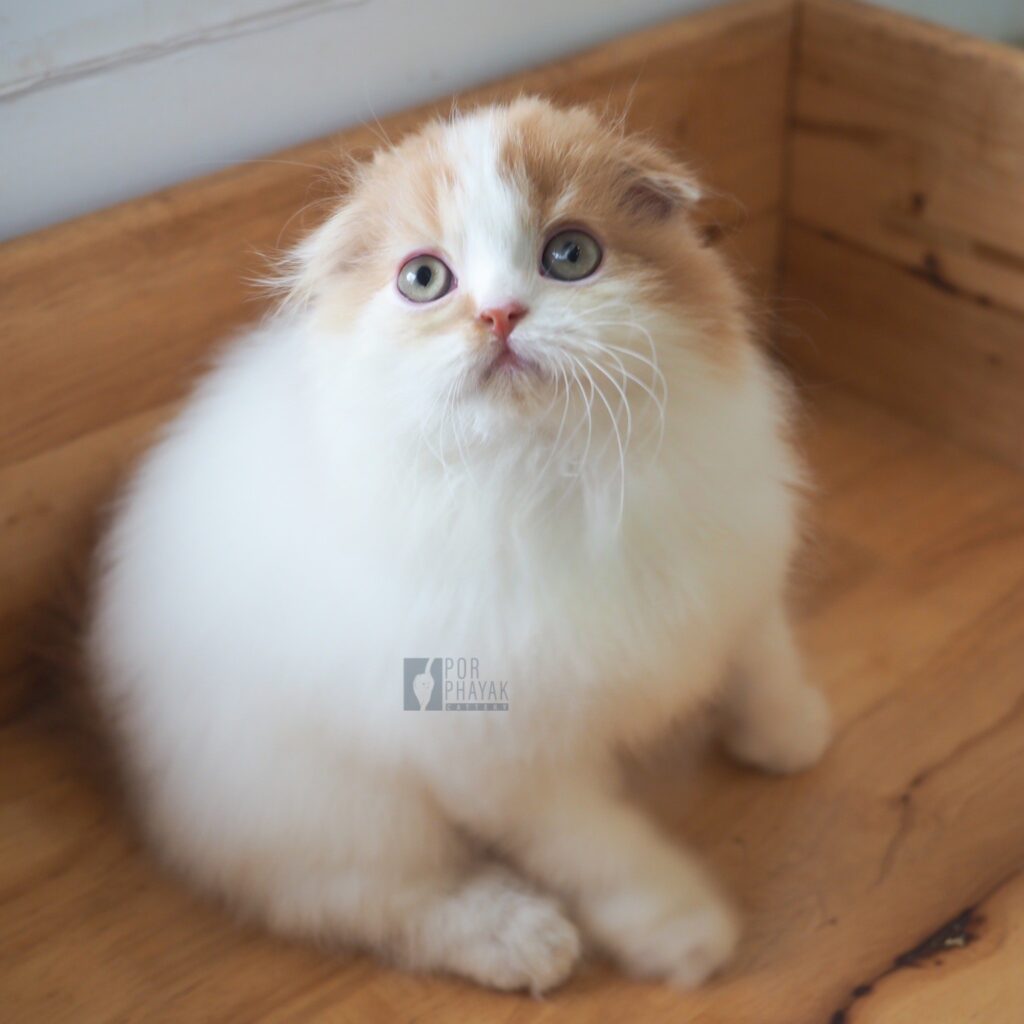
(571, 256)
(424, 279)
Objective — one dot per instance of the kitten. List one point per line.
(511, 412)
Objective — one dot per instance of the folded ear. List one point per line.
(344, 242)
(655, 187)
(337, 244)
(302, 271)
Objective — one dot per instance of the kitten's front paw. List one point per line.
(790, 738)
(534, 946)
(685, 948)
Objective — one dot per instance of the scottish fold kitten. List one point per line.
(509, 424)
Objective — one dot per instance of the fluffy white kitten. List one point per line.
(511, 412)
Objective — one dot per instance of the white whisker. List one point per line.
(649, 389)
(618, 440)
(562, 378)
(623, 400)
(438, 453)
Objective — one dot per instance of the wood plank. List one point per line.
(109, 315)
(911, 819)
(954, 365)
(907, 144)
(52, 506)
(967, 970)
(752, 249)
(909, 139)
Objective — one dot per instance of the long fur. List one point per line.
(609, 531)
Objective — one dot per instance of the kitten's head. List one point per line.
(521, 275)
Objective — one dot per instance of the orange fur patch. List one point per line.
(579, 170)
(572, 169)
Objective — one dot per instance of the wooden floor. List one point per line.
(884, 886)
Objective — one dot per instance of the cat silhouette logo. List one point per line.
(424, 687)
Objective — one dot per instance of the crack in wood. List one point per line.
(906, 806)
(905, 800)
(998, 255)
(929, 271)
(957, 933)
(862, 134)
(967, 744)
(907, 220)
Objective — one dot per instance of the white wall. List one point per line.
(105, 99)
(101, 100)
(996, 19)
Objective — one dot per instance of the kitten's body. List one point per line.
(312, 520)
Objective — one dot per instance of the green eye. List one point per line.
(424, 279)
(571, 255)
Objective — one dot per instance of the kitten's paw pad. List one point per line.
(791, 740)
(687, 948)
(534, 946)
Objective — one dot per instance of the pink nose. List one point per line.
(503, 319)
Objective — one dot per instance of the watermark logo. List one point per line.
(424, 685)
(451, 684)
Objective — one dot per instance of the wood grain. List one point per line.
(53, 504)
(885, 886)
(907, 162)
(911, 602)
(984, 983)
(908, 139)
(953, 364)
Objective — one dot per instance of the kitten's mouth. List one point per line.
(509, 365)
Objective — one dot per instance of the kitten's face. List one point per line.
(520, 273)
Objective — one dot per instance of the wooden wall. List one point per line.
(106, 319)
(905, 226)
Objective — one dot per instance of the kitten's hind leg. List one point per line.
(432, 905)
(774, 720)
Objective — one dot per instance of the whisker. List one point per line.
(561, 425)
(649, 389)
(588, 404)
(658, 402)
(623, 400)
(456, 431)
(441, 400)
(618, 441)
(657, 388)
